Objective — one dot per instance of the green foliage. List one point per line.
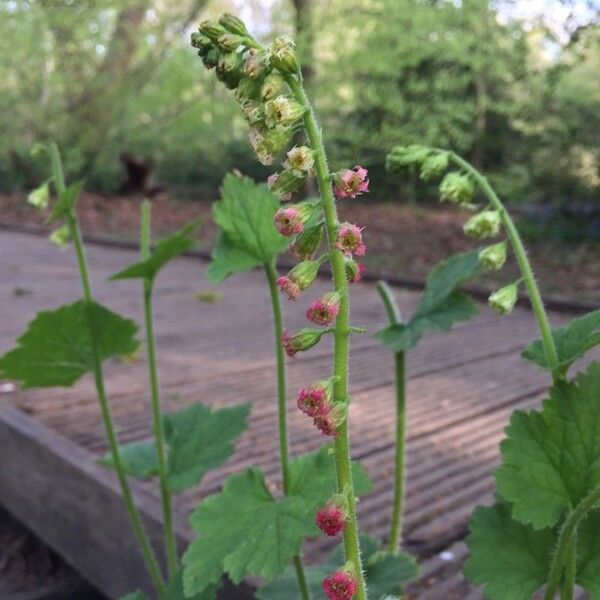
(385, 573)
(441, 305)
(247, 236)
(66, 201)
(56, 349)
(244, 530)
(174, 591)
(572, 342)
(551, 458)
(137, 595)
(165, 251)
(198, 439)
(512, 560)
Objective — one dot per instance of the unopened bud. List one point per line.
(354, 270)
(405, 157)
(255, 63)
(493, 257)
(272, 85)
(211, 58)
(304, 273)
(40, 196)
(308, 242)
(283, 55)
(61, 236)
(483, 225)
(202, 42)
(248, 89)
(504, 300)
(229, 62)
(457, 188)
(212, 29)
(286, 183)
(282, 111)
(230, 41)
(434, 166)
(233, 24)
(302, 340)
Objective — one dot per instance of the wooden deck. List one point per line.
(462, 387)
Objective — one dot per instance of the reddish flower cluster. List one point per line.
(289, 221)
(331, 519)
(315, 401)
(340, 585)
(324, 310)
(349, 240)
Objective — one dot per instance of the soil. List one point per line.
(403, 241)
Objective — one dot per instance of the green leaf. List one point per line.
(228, 259)
(56, 349)
(572, 342)
(243, 531)
(166, 250)
(139, 459)
(441, 305)
(137, 595)
(312, 477)
(551, 458)
(385, 572)
(200, 439)
(245, 217)
(66, 201)
(512, 560)
(174, 590)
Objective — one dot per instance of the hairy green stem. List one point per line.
(523, 261)
(157, 419)
(395, 317)
(134, 515)
(341, 335)
(566, 541)
(284, 453)
(567, 586)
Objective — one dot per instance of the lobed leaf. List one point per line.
(551, 458)
(139, 459)
(56, 349)
(572, 342)
(441, 305)
(174, 590)
(165, 251)
(245, 218)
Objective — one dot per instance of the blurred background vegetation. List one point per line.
(514, 86)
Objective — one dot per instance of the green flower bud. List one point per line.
(256, 63)
(233, 24)
(277, 138)
(308, 242)
(283, 55)
(40, 196)
(230, 41)
(202, 42)
(212, 29)
(457, 188)
(493, 257)
(504, 300)
(61, 236)
(406, 157)
(272, 85)
(282, 111)
(304, 273)
(211, 59)
(302, 340)
(229, 62)
(434, 166)
(248, 89)
(483, 225)
(354, 270)
(286, 183)
(230, 79)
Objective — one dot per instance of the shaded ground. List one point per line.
(29, 570)
(403, 241)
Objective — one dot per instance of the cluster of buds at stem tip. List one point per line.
(341, 584)
(503, 301)
(331, 518)
(299, 278)
(493, 257)
(324, 310)
(289, 220)
(302, 340)
(349, 183)
(483, 225)
(349, 240)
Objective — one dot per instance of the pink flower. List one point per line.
(331, 519)
(349, 240)
(313, 400)
(340, 585)
(326, 424)
(324, 310)
(357, 277)
(288, 221)
(349, 183)
(289, 286)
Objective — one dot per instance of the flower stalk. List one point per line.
(157, 420)
(340, 332)
(284, 456)
(132, 511)
(394, 317)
